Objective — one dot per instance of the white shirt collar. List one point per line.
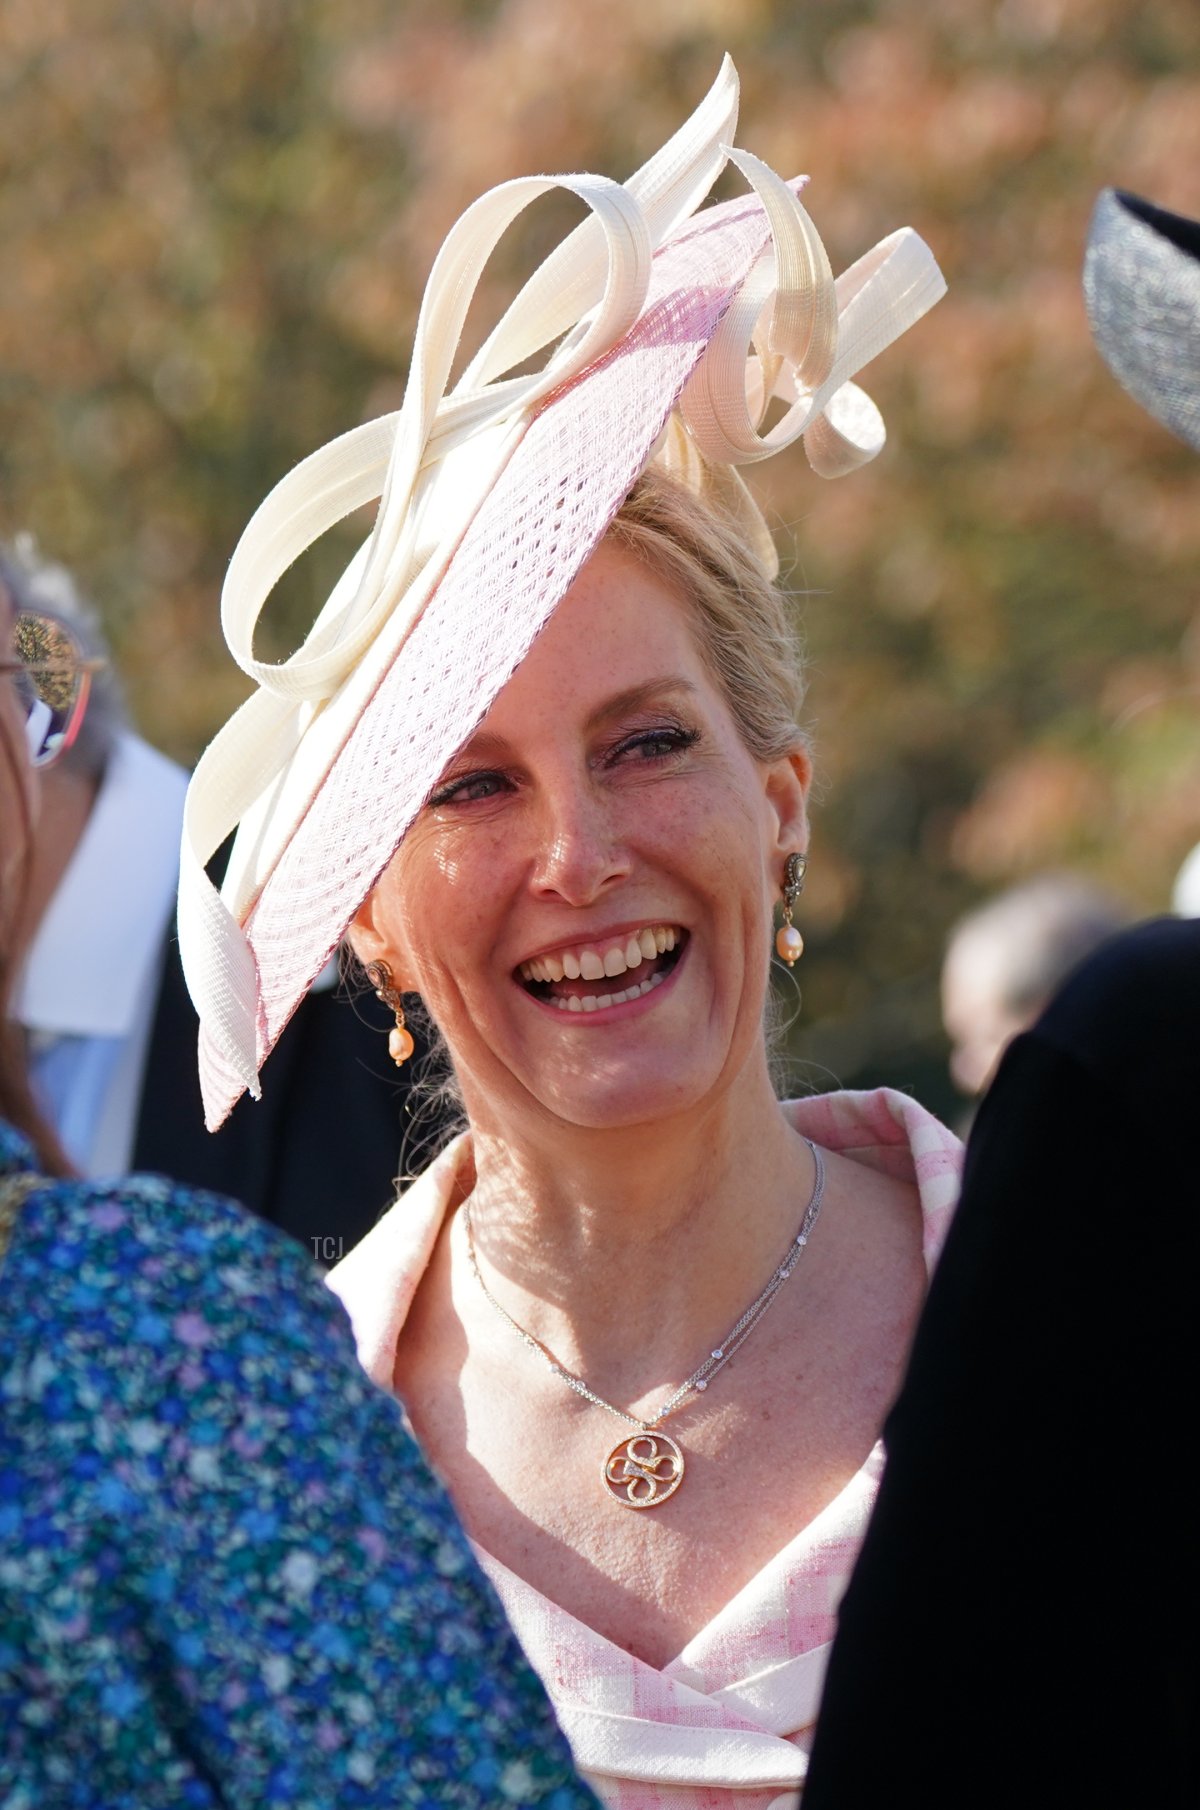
(102, 932)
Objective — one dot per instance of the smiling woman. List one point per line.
(540, 759)
(607, 823)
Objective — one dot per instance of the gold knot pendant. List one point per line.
(643, 1470)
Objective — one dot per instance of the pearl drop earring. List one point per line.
(789, 944)
(400, 1043)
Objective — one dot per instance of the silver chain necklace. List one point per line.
(648, 1467)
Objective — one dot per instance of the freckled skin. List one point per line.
(584, 835)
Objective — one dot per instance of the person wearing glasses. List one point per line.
(111, 1030)
(226, 1575)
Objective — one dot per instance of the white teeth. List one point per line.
(589, 964)
(596, 1002)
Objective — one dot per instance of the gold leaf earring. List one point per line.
(789, 944)
(400, 1043)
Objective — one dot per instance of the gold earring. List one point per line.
(400, 1043)
(789, 944)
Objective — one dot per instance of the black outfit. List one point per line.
(1021, 1626)
(319, 1153)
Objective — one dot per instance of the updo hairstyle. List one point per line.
(748, 644)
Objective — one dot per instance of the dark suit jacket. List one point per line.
(319, 1153)
(1021, 1627)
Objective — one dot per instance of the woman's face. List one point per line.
(586, 902)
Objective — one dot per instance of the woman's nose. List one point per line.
(580, 849)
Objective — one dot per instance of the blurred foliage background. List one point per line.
(217, 217)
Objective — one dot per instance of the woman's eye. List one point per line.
(656, 744)
(470, 789)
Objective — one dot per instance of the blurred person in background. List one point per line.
(1185, 894)
(540, 757)
(1006, 960)
(1021, 1625)
(111, 1030)
(227, 1576)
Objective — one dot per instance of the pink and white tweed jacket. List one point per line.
(727, 1724)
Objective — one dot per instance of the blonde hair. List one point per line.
(741, 620)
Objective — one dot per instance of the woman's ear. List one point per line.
(370, 942)
(788, 781)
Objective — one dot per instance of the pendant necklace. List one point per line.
(648, 1466)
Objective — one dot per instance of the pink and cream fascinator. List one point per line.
(672, 330)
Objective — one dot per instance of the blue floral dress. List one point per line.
(227, 1576)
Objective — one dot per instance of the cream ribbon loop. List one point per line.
(345, 473)
(595, 282)
(818, 335)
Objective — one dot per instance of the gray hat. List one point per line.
(1141, 283)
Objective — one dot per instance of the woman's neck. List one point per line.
(624, 1250)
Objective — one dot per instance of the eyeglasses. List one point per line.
(53, 677)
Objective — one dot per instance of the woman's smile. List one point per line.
(614, 970)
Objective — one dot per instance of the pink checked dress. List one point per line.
(727, 1724)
